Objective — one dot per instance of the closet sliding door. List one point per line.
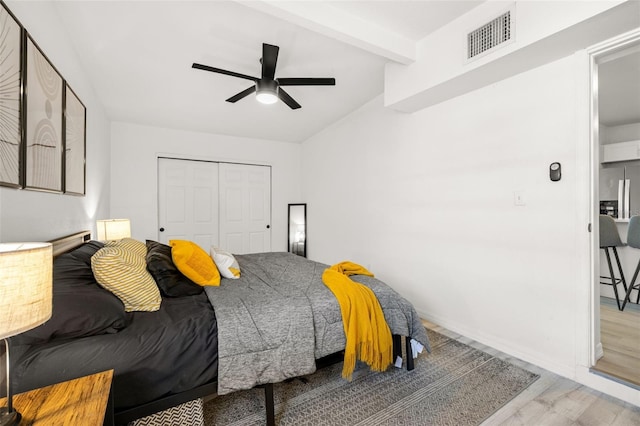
(245, 208)
(222, 204)
(188, 201)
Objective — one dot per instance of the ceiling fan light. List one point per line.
(267, 91)
(266, 97)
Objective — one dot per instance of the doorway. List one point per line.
(615, 134)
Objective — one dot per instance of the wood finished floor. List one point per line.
(553, 400)
(620, 337)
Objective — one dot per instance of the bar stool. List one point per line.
(633, 240)
(610, 239)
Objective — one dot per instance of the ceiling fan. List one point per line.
(268, 88)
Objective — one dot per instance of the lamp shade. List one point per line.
(113, 229)
(25, 286)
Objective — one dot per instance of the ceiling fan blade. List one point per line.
(284, 96)
(221, 71)
(269, 60)
(244, 93)
(307, 81)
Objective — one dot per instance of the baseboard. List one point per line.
(599, 351)
(501, 345)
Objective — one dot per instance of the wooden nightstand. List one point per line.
(81, 401)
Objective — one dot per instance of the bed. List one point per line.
(276, 322)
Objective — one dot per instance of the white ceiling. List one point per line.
(414, 19)
(138, 56)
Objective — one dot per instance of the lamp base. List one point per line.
(9, 418)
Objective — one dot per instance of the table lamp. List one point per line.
(25, 299)
(113, 229)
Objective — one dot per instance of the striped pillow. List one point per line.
(124, 273)
(129, 244)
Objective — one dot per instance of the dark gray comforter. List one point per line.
(279, 317)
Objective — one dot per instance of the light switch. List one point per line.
(518, 198)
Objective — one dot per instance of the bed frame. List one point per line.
(124, 416)
(68, 243)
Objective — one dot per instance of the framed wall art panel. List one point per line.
(43, 122)
(75, 115)
(11, 40)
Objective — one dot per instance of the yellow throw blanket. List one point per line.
(367, 333)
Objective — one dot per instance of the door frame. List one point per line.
(595, 54)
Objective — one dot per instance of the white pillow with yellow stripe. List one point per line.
(124, 273)
(226, 263)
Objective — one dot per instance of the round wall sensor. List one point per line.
(555, 172)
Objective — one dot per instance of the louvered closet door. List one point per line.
(245, 208)
(188, 201)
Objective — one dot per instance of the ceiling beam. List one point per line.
(335, 23)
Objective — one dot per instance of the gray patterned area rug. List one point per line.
(454, 385)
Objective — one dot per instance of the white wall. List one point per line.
(426, 201)
(615, 134)
(32, 215)
(134, 153)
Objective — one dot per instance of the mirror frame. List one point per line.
(290, 240)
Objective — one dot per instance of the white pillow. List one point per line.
(226, 263)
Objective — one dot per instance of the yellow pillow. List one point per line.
(135, 246)
(125, 274)
(194, 262)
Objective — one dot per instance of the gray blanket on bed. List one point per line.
(279, 317)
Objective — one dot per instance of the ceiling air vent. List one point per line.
(489, 35)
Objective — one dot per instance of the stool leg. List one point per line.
(624, 282)
(613, 277)
(631, 285)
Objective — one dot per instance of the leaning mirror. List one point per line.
(298, 229)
